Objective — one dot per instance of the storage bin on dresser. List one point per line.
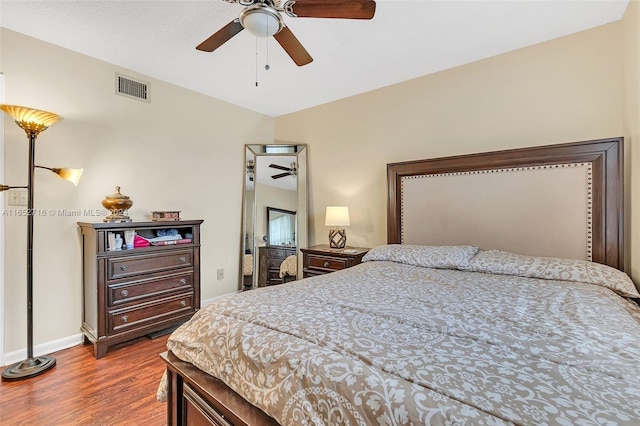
(135, 292)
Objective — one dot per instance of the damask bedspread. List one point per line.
(420, 335)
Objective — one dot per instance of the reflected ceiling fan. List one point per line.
(290, 171)
(250, 169)
(262, 18)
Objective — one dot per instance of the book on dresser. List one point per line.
(129, 293)
(172, 242)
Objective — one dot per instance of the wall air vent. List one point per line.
(130, 88)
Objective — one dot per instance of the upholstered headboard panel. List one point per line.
(558, 200)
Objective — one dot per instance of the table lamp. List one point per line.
(337, 217)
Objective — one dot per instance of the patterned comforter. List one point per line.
(430, 336)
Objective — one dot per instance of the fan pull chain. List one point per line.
(256, 61)
(266, 67)
(266, 41)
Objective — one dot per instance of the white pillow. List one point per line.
(553, 268)
(451, 257)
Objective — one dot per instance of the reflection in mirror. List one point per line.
(281, 227)
(274, 214)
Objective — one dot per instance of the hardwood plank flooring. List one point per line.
(118, 389)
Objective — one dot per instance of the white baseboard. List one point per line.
(70, 341)
(44, 348)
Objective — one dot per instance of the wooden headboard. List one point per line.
(557, 200)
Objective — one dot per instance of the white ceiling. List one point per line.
(405, 39)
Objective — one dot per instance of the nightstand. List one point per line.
(322, 259)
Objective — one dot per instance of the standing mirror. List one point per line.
(274, 214)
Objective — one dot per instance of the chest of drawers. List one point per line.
(135, 292)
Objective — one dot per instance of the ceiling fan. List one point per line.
(250, 169)
(263, 18)
(289, 171)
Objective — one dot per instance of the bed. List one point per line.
(430, 329)
(247, 270)
(289, 268)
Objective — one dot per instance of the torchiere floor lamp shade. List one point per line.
(33, 122)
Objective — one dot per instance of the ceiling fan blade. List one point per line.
(221, 36)
(293, 47)
(348, 9)
(281, 175)
(279, 167)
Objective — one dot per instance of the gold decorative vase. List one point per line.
(118, 205)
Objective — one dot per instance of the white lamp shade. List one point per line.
(72, 175)
(337, 216)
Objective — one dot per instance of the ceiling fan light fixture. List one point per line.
(261, 20)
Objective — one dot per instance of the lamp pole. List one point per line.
(32, 121)
(32, 165)
(31, 366)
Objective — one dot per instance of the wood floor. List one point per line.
(119, 389)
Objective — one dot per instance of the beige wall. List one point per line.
(183, 151)
(631, 68)
(565, 90)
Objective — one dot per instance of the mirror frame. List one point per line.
(248, 239)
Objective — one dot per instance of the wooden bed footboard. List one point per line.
(196, 398)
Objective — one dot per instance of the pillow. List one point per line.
(443, 257)
(553, 268)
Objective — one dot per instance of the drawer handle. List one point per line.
(183, 281)
(182, 259)
(124, 318)
(183, 303)
(124, 267)
(326, 264)
(124, 293)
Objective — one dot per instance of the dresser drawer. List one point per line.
(306, 273)
(197, 412)
(137, 316)
(274, 276)
(321, 262)
(121, 267)
(279, 253)
(131, 291)
(275, 264)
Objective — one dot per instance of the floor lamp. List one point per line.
(33, 122)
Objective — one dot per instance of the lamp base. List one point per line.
(28, 368)
(337, 238)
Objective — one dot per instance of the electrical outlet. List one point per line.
(220, 273)
(18, 197)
